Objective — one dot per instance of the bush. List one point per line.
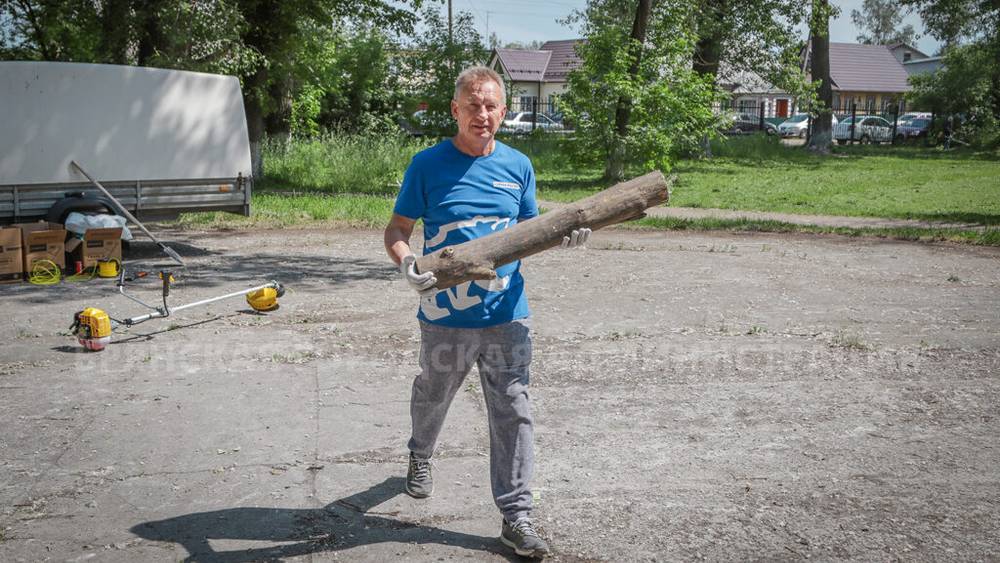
(964, 88)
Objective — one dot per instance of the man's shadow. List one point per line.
(342, 524)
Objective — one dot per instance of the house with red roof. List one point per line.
(536, 76)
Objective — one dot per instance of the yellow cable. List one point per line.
(109, 268)
(45, 272)
(86, 275)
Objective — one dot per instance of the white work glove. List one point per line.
(421, 283)
(576, 238)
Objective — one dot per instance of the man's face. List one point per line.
(479, 111)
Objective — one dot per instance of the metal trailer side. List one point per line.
(163, 142)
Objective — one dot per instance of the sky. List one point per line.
(530, 20)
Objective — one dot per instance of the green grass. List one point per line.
(345, 164)
(278, 210)
(760, 174)
(892, 182)
(351, 181)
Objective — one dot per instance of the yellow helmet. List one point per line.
(265, 299)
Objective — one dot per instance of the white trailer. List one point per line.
(162, 141)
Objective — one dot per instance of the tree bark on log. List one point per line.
(479, 258)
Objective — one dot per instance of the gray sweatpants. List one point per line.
(502, 354)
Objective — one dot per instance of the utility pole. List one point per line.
(451, 60)
(450, 39)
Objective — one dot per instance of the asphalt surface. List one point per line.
(697, 396)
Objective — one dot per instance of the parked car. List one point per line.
(520, 123)
(913, 128)
(740, 123)
(867, 129)
(798, 125)
(910, 116)
(424, 122)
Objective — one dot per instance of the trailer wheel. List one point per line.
(82, 204)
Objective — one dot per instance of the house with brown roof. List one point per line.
(872, 77)
(536, 76)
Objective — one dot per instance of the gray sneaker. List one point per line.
(521, 536)
(419, 481)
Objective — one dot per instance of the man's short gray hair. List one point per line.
(475, 74)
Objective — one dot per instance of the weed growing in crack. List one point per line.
(850, 342)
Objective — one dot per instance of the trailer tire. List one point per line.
(62, 208)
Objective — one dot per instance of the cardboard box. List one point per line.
(11, 259)
(98, 245)
(43, 241)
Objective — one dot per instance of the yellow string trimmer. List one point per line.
(93, 327)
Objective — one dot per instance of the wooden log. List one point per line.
(479, 258)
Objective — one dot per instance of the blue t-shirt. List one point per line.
(461, 198)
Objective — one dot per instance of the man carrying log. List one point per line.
(464, 188)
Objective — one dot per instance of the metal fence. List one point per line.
(526, 114)
(853, 123)
(747, 116)
(531, 103)
(870, 125)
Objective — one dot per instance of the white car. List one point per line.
(910, 116)
(798, 125)
(521, 121)
(867, 129)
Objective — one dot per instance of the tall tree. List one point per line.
(435, 63)
(115, 31)
(745, 35)
(819, 38)
(669, 106)
(254, 39)
(976, 23)
(879, 22)
(50, 30)
(955, 21)
(614, 169)
(759, 36)
(275, 30)
(152, 37)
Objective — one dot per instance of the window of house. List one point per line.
(870, 104)
(907, 56)
(836, 102)
(527, 103)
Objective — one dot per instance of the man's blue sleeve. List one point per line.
(529, 207)
(411, 201)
